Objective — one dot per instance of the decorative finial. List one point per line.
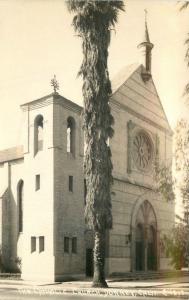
(146, 47)
(55, 84)
(146, 39)
(146, 12)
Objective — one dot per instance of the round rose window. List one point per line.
(142, 151)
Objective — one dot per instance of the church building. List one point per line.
(42, 186)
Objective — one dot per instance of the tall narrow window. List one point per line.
(20, 205)
(70, 135)
(41, 243)
(70, 184)
(38, 134)
(74, 245)
(33, 244)
(66, 244)
(37, 182)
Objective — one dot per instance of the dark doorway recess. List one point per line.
(151, 249)
(139, 248)
(145, 238)
(89, 262)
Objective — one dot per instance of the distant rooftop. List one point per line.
(11, 154)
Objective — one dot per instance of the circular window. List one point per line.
(142, 151)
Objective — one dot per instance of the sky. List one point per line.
(38, 41)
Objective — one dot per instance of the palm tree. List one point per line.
(93, 22)
(184, 4)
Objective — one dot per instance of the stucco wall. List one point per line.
(38, 204)
(68, 205)
(135, 107)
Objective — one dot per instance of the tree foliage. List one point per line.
(93, 21)
(182, 145)
(176, 245)
(164, 181)
(182, 161)
(183, 6)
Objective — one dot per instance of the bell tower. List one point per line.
(146, 46)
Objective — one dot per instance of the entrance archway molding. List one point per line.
(152, 199)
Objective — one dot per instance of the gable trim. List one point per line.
(123, 83)
(161, 117)
(153, 102)
(143, 86)
(141, 117)
(161, 105)
(126, 77)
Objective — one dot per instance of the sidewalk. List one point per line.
(172, 288)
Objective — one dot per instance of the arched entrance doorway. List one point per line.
(145, 238)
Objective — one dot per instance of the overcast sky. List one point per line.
(38, 41)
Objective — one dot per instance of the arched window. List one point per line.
(70, 135)
(38, 134)
(20, 205)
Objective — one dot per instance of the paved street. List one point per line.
(168, 288)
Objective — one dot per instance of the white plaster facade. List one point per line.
(42, 191)
(54, 212)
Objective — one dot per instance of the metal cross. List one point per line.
(55, 84)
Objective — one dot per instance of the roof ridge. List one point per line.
(123, 75)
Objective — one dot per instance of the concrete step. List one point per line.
(149, 275)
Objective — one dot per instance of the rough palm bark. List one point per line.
(93, 21)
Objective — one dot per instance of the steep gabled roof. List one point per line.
(122, 76)
(129, 90)
(11, 154)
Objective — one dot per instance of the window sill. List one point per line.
(70, 155)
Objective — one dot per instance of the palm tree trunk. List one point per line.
(93, 21)
(99, 260)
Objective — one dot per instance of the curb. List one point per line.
(169, 293)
